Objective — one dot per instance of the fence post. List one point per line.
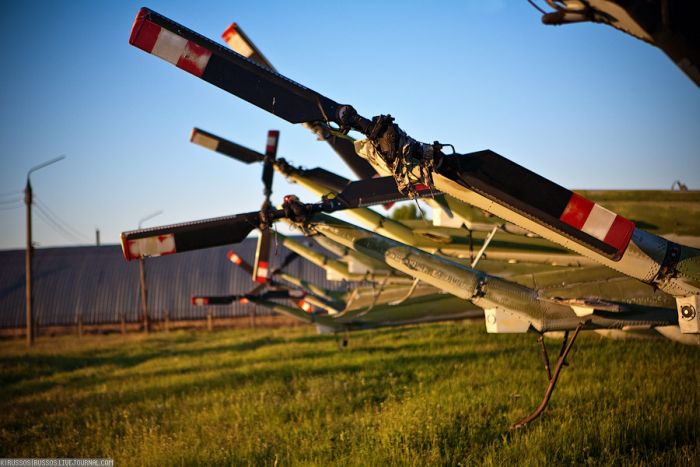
(167, 320)
(253, 312)
(123, 322)
(210, 320)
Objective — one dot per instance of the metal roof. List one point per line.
(96, 282)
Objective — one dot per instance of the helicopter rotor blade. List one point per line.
(287, 261)
(273, 137)
(176, 238)
(201, 300)
(261, 267)
(225, 147)
(380, 190)
(343, 145)
(240, 262)
(248, 156)
(204, 300)
(232, 72)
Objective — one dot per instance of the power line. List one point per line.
(7, 208)
(47, 217)
(57, 227)
(65, 233)
(56, 218)
(11, 193)
(9, 201)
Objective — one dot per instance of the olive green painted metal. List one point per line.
(364, 314)
(542, 313)
(338, 270)
(450, 241)
(642, 260)
(329, 295)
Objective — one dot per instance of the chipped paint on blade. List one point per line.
(194, 59)
(204, 140)
(169, 46)
(150, 246)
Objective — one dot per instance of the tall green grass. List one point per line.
(439, 394)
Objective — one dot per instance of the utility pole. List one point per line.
(29, 251)
(144, 295)
(28, 264)
(142, 279)
(97, 237)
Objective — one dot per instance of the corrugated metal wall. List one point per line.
(99, 284)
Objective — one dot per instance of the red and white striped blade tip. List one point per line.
(168, 45)
(233, 257)
(305, 306)
(262, 272)
(272, 140)
(229, 32)
(598, 222)
(138, 248)
(237, 42)
(205, 140)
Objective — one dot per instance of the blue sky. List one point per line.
(584, 104)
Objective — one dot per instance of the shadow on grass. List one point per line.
(381, 378)
(17, 369)
(388, 368)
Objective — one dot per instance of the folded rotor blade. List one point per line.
(248, 156)
(240, 262)
(273, 137)
(228, 70)
(287, 261)
(269, 279)
(261, 268)
(542, 200)
(225, 147)
(326, 178)
(341, 144)
(214, 300)
(176, 238)
(282, 294)
(379, 190)
(203, 300)
(241, 44)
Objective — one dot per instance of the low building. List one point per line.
(94, 284)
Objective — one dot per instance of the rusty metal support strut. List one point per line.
(553, 380)
(545, 357)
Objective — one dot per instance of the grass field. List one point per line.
(438, 394)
